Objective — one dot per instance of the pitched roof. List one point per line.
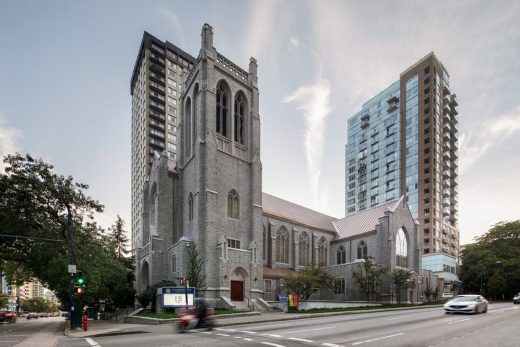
(279, 273)
(363, 222)
(284, 209)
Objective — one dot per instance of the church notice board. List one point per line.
(176, 296)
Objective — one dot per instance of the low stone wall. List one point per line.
(308, 305)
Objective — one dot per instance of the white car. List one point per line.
(516, 299)
(466, 304)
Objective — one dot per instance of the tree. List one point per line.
(34, 207)
(305, 283)
(496, 285)
(368, 276)
(35, 305)
(429, 292)
(119, 238)
(149, 295)
(400, 279)
(195, 269)
(4, 299)
(496, 251)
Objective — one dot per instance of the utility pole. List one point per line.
(72, 269)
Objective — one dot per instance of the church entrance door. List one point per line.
(237, 291)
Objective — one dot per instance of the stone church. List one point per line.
(212, 197)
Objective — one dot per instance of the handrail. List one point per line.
(251, 305)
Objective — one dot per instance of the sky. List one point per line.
(65, 69)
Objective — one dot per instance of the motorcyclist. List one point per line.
(201, 312)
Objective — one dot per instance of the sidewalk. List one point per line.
(101, 327)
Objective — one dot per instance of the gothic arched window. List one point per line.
(304, 250)
(282, 245)
(239, 120)
(362, 250)
(401, 249)
(233, 210)
(322, 251)
(190, 207)
(341, 255)
(188, 128)
(222, 110)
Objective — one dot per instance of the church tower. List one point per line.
(220, 173)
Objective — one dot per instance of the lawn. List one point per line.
(346, 309)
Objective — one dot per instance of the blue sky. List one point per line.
(65, 72)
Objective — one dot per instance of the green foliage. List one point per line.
(34, 208)
(496, 252)
(4, 299)
(149, 295)
(368, 276)
(195, 273)
(307, 282)
(400, 279)
(36, 305)
(429, 292)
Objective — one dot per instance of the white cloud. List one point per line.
(294, 42)
(174, 20)
(314, 101)
(9, 138)
(490, 133)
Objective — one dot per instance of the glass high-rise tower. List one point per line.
(404, 142)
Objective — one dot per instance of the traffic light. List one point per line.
(80, 284)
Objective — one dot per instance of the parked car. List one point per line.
(516, 299)
(467, 304)
(7, 316)
(32, 315)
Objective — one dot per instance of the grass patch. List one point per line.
(221, 311)
(361, 308)
(159, 315)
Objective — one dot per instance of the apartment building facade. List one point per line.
(404, 142)
(156, 86)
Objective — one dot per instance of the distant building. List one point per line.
(156, 86)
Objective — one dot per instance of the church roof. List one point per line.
(287, 210)
(365, 221)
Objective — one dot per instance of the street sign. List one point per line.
(72, 269)
(176, 296)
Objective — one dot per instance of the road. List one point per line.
(419, 327)
(34, 332)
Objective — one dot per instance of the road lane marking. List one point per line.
(271, 344)
(222, 334)
(92, 342)
(331, 344)
(238, 337)
(248, 339)
(205, 332)
(272, 335)
(304, 331)
(301, 340)
(458, 321)
(247, 332)
(400, 317)
(379, 338)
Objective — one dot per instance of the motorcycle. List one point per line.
(189, 320)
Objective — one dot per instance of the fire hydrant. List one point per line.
(85, 322)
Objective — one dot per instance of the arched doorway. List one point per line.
(237, 280)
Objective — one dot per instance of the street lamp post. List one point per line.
(72, 269)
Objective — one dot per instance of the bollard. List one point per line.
(85, 322)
